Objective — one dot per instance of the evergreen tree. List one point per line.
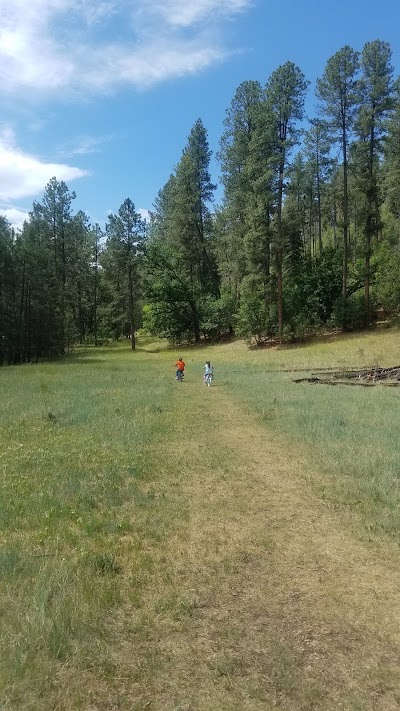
(240, 125)
(191, 216)
(7, 294)
(78, 286)
(42, 325)
(392, 160)
(96, 235)
(338, 91)
(376, 86)
(316, 150)
(260, 208)
(182, 274)
(285, 93)
(51, 219)
(121, 260)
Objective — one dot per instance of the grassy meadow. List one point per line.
(157, 538)
(349, 435)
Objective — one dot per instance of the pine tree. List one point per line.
(181, 273)
(78, 283)
(191, 216)
(259, 210)
(125, 236)
(240, 125)
(316, 151)
(51, 219)
(376, 87)
(96, 234)
(392, 158)
(338, 90)
(285, 93)
(7, 294)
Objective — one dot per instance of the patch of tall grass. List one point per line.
(349, 435)
(79, 512)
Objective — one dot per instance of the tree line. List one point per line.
(307, 235)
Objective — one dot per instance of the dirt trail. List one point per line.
(284, 606)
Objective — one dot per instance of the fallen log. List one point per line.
(365, 377)
(325, 381)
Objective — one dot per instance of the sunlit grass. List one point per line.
(380, 347)
(349, 435)
(76, 458)
(92, 502)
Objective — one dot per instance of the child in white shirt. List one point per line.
(208, 373)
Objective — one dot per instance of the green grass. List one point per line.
(349, 435)
(91, 503)
(75, 464)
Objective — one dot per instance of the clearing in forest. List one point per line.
(168, 546)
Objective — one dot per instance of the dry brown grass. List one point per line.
(263, 598)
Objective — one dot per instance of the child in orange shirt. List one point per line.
(180, 367)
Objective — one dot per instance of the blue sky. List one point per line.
(104, 94)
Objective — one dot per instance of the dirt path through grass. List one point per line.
(271, 601)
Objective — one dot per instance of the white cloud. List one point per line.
(144, 213)
(184, 13)
(23, 175)
(48, 45)
(94, 13)
(15, 217)
(83, 145)
(150, 65)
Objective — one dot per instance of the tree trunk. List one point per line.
(267, 262)
(131, 308)
(196, 328)
(355, 234)
(368, 229)
(335, 242)
(345, 228)
(279, 251)
(96, 268)
(279, 256)
(319, 209)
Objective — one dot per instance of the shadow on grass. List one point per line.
(183, 346)
(155, 350)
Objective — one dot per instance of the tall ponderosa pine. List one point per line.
(259, 211)
(78, 287)
(392, 159)
(191, 215)
(96, 235)
(40, 317)
(376, 94)
(316, 151)
(338, 91)
(285, 95)
(182, 273)
(125, 235)
(51, 220)
(240, 124)
(169, 302)
(7, 294)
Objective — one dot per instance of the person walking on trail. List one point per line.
(180, 367)
(208, 373)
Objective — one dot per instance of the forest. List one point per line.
(305, 238)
